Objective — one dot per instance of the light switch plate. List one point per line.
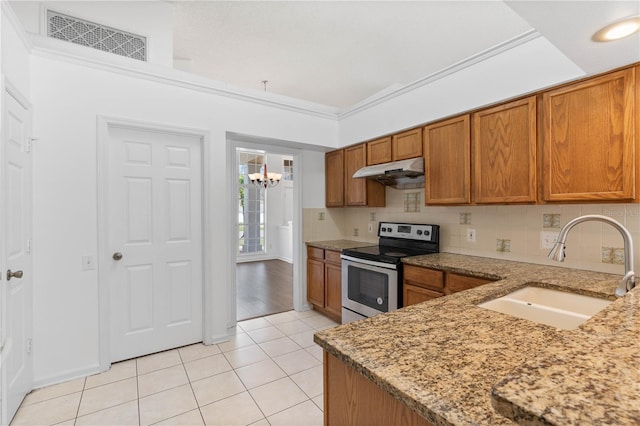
(88, 263)
(471, 235)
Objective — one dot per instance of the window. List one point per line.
(287, 167)
(251, 204)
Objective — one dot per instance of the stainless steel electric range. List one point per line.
(372, 275)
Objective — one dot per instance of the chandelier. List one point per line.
(265, 180)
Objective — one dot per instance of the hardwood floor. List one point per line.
(264, 288)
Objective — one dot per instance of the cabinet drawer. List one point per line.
(423, 277)
(457, 283)
(331, 256)
(315, 253)
(413, 294)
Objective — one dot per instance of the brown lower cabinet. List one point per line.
(421, 284)
(352, 399)
(324, 281)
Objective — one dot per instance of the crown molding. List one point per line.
(7, 11)
(452, 69)
(59, 50)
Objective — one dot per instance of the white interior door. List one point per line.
(154, 202)
(17, 277)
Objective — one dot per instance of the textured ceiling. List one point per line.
(341, 53)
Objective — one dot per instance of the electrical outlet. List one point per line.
(471, 235)
(88, 263)
(370, 227)
(356, 232)
(548, 239)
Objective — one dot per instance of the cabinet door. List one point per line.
(315, 282)
(379, 151)
(407, 145)
(447, 163)
(412, 294)
(588, 140)
(333, 288)
(334, 178)
(504, 153)
(360, 192)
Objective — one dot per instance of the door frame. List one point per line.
(103, 125)
(270, 146)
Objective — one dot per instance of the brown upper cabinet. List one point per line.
(588, 146)
(504, 153)
(334, 178)
(360, 192)
(406, 145)
(447, 163)
(379, 151)
(402, 146)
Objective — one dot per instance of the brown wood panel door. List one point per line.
(379, 151)
(407, 145)
(504, 153)
(333, 288)
(588, 140)
(447, 149)
(315, 282)
(360, 192)
(334, 178)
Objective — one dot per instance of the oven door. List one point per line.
(369, 288)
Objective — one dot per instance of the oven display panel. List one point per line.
(404, 229)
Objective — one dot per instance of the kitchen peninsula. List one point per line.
(453, 362)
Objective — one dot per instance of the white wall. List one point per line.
(313, 179)
(69, 97)
(525, 68)
(16, 61)
(152, 19)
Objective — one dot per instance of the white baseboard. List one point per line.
(66, 376)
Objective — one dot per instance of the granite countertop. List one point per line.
(339, 245)
(453, 362)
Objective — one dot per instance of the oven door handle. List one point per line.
(369, 262)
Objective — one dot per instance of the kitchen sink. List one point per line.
(545, 306)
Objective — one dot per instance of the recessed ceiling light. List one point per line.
(619, 29)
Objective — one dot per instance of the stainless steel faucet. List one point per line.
(629, 280)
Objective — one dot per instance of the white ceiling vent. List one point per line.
(101, 37)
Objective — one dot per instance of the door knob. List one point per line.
(16, 274)
(117, 255)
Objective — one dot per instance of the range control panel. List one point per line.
(408, 231)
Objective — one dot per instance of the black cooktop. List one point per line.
(386, 254)
(398, 240)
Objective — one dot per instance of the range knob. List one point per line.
(419, 232)
(427, 233)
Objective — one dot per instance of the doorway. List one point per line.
(264, 267)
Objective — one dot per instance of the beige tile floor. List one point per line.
(270, 373)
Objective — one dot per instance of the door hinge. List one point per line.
(29, 144)
(29, 346)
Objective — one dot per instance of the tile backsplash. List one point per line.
(517, 227)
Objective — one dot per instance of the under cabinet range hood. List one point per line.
(404, 174)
